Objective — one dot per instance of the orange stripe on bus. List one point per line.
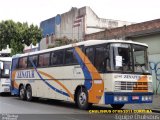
(15, 85)
(52, 78)
(96, 91)
(142, 79)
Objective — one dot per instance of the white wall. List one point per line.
(92, 20)
(66, 28)
(89, 18)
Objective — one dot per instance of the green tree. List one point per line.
(16, 35)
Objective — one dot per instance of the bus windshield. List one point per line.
(4, 71)
(128, 58)
(121, 57)
(140, 58)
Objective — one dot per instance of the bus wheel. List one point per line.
(82, 99)
(117, 106)
(29, 93)
(22, 93)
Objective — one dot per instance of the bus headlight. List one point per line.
(115, 98)
(120, 98)
(125, 98)
(150, 98)
(147, 98)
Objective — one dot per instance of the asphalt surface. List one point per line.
(12, 108)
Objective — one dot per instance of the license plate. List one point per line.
(135, 97)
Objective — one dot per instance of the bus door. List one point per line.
(4, 76)
(95, 61)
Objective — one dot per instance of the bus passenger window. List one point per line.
(70, 57)
(33, 59)
(15, 63)
(40, 63)
(90, 54)
(23, 62)
(100, 59)
(57, 58)
(20, 63)
(44, 60)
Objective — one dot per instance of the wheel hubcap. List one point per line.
(21, 93)
(82, 98)
(28, 94)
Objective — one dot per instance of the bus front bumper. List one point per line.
(127, 98)
(5, 89)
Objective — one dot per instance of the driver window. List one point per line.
(90, 54)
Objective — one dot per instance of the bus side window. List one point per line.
(44, 60)
(107, 58)
(20, 62)
(100, 58)
(23, 62)
(90, 54)
(40, 62)
(57, 57)
(15, 64)
(33, 59)
(70, 57)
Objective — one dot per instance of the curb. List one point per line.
(155, 110)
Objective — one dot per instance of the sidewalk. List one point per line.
(154, 106)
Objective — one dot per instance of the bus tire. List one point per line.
(22, 93)
(117, 106)
(29, 93)
(82, 99)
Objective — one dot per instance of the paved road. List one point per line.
(48, 109)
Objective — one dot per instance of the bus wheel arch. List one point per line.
(117, 106)
(76, 91)
(28, 92)
(22, 92)
(81, 97)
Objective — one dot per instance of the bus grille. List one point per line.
(124, 85)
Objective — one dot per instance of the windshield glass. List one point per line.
(140, 58)
(128, 58)
(122, 57)
(5, 69)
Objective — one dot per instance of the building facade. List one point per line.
(31, 48)
(74, 25)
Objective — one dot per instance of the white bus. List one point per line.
(91, 72)
(5, 82)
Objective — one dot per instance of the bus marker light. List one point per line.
(120, 98)
(97, 81)
(146, 98)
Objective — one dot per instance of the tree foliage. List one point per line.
(16, 35)
(62, 41)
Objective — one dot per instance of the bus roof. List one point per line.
(85, 43)
(5, 58)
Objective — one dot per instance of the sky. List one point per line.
(35, 11)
